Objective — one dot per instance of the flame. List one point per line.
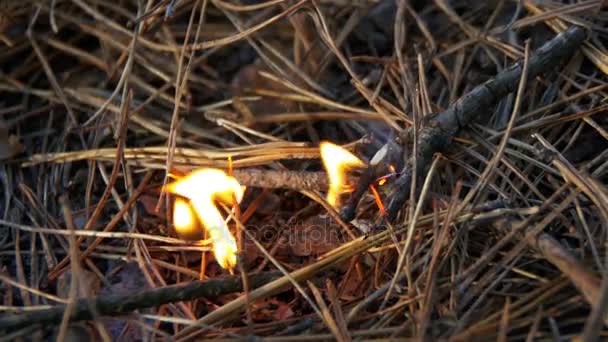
(378, 200)
(382, 180)
(337, 162)
(185, 222)
(203, 188)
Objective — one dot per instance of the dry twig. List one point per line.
(124, 304)
(439, 129)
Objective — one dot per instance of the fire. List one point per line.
(378, 200)
(204, 188)
(185, 222)
(382, 180)
(337, 162)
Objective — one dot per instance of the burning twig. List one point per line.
(386, 160)
(439, 129)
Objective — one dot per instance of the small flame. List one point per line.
(382, 180)
(185, 222)
(203, 188)
(378, 200)
(337, 162)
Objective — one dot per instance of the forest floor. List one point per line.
(303, 170)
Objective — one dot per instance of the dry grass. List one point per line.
(503, 237)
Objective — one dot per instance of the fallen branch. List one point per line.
(85, 309)
(439, 129)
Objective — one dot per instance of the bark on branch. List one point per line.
(439, 129)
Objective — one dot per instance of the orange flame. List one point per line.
(337, 162)
(378, 200)
(382, 180)
(203, 188)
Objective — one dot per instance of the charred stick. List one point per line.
(439, 129)
(114, 305)
(367, 178)
(388, 157)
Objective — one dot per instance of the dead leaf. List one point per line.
(353, 286)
